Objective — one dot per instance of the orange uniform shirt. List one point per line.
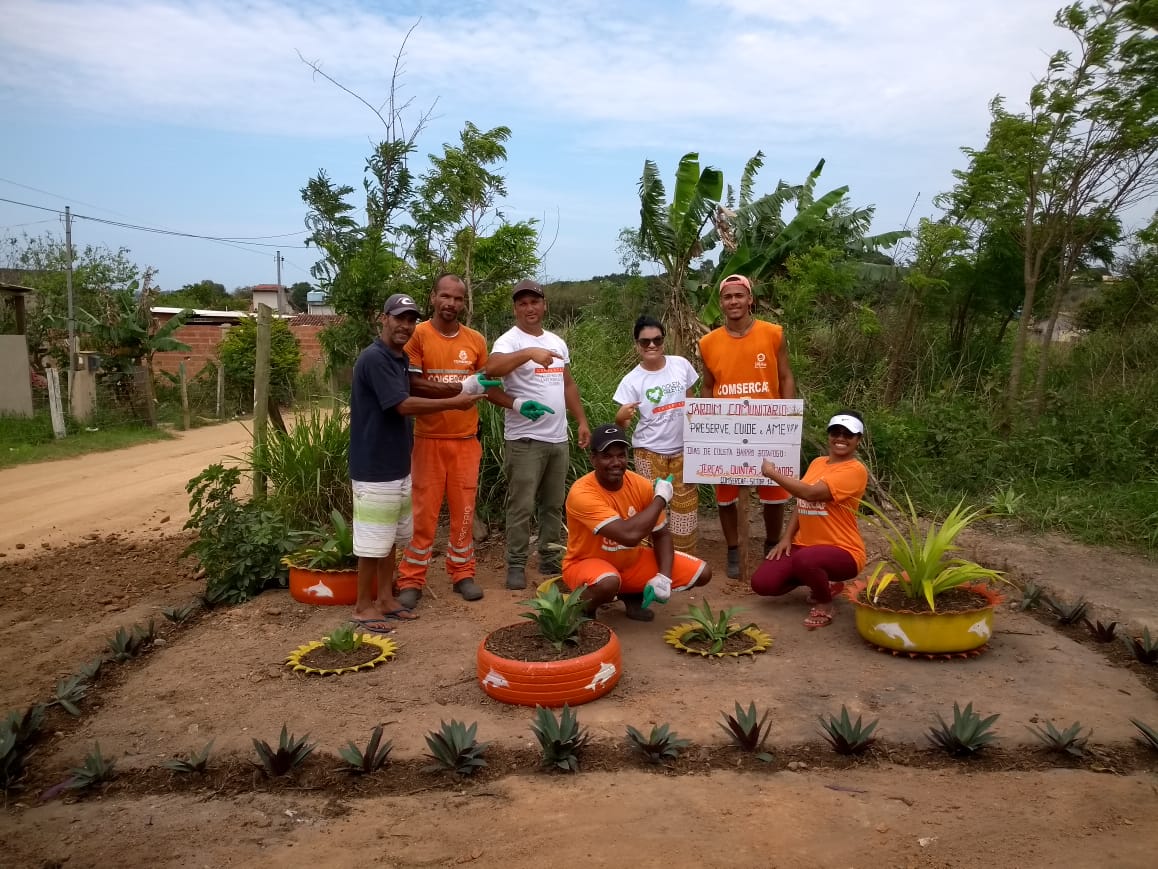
(590, 507)
(833, 522)
(744, 367)
(446, 360)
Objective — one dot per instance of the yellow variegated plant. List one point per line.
(921, 560)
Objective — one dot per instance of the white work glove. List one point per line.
(664, 489)
(477, 384)
(660, 586)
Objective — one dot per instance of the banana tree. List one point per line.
(671, 234)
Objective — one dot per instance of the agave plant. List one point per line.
(69, 692)
(372, 759)
(178, 615)
(1031, 594)
(845, 736)
(129, 644)
(455, 748)
(559, 616)
(95, 770)
(333, 549)
(713, 628)
(968, 734)
(17, 733)
(921, 561)
(1144, 648)
(291, 753)
(749, 730)
(1102, 633)
(1070, 741)
(1149, 737)
(561, 739)
(662, 745)
(1068, 613)
(196, 762)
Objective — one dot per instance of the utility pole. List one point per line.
(281, 301)
(68, 286)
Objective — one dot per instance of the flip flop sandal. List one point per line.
(834, 590)
(397, 616)
(378, 627)
(818, 619)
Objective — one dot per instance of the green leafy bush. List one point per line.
(238, 351)
(239, 544)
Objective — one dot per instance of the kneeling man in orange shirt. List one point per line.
(610, 512)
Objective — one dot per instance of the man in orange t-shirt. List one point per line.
(445, 357)
(746, 358)
(609, 513)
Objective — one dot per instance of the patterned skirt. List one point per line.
(683, 510)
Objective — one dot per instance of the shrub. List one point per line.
(238, 352)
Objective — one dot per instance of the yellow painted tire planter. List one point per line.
(761, 641)
(925, 633)
(551, 683)
(387, 649)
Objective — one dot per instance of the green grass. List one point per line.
(25, 440)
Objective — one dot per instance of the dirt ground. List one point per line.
(113, 563)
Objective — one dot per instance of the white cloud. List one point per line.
(623, 74)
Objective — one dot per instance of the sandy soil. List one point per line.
(222, 678)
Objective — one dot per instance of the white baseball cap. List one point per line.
(851, 423)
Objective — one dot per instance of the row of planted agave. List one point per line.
(455, 747)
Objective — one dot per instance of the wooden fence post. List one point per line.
(220, 389)
(261, 392)
(55, 409)
(184, 381)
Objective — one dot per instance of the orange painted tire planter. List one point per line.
(323, 587)
(551, 683)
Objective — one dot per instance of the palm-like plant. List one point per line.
(921, 561)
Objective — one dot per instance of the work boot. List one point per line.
(469, 589)
(516, 577)
(633, 603)
(409, 597)
(549, 567)
(733, 569)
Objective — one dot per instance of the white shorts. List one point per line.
(383, 517)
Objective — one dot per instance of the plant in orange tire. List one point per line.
(326, 571)
(561, 656)
(897, 604)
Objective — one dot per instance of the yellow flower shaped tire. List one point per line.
(386, 646)
(674, 637)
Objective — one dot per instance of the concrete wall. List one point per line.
(15, 376)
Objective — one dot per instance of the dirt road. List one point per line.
(126, 491)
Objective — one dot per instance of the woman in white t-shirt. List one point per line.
(654, 392)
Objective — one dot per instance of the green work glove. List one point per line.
(531, 409)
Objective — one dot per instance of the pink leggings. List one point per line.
(813, 566)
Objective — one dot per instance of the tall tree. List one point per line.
(1085, 148)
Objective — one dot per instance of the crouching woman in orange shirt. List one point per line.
(822, 547)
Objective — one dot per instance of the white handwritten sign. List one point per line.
(726, 440)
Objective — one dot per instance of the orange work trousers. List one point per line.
(442, 467)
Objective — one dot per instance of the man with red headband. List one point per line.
(746, 358)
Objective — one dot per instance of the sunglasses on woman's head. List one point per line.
(657, 341)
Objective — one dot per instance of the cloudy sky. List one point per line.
(199, 116)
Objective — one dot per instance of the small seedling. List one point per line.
(1101, 632)
(1070, 741)
(1006, 501)
(748, 730)
(1068, 613)
(660, 746)
(89, 671)
(178, 615)
(96, 770)
(375, 756)
(195, 762)
(1149, 734)
(128, 644)
(845, 736)
(454, 748)
(290, 754)
(1145, 648)
(342, 639)
(714, 628)
(1030, 597)
(69, 692)
(968, 734)
(561, 739)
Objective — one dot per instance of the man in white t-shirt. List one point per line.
(534, 366)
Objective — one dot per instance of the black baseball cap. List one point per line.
(527, 286)
(400, 303)
(606, 435)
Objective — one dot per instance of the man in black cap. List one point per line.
(610, 512)
(380, 444)
(534, 365)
